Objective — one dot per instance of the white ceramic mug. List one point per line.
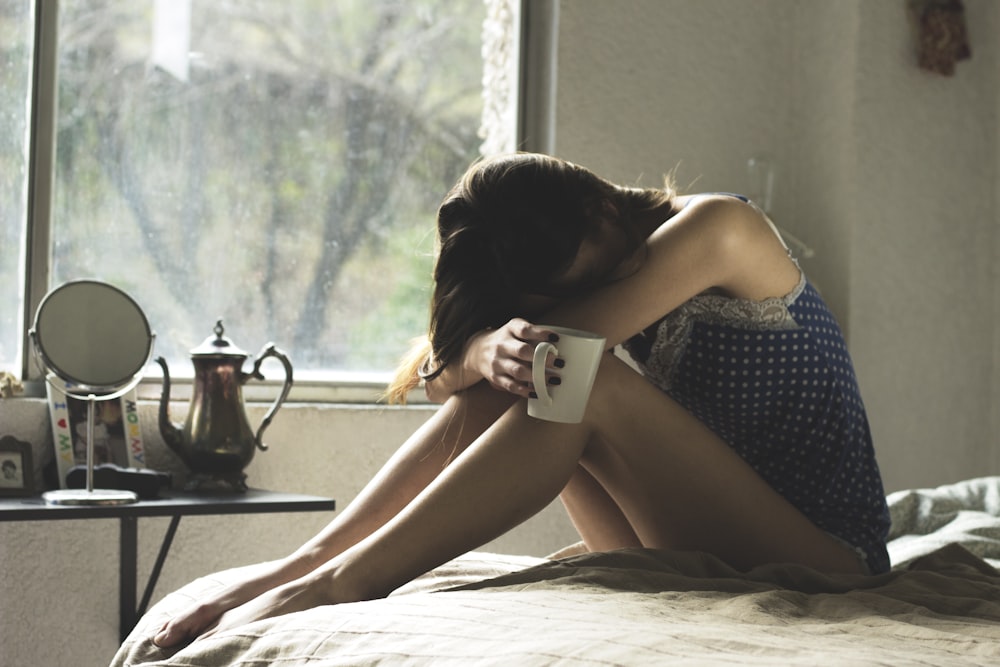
(567, 401)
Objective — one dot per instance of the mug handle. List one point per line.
(538, 371)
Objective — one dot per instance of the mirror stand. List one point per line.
(89, 495)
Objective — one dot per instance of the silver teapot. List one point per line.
(217, 442)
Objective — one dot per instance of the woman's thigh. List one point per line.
(682, 487)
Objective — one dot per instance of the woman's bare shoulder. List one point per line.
(712, 242)
(710, 218)
(750, 259)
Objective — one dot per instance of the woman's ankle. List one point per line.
(346, 581)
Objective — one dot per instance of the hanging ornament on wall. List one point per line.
(941, 36)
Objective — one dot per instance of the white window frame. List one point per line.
(535, 100)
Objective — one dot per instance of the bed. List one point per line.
(939, 606)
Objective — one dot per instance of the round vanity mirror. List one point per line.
(95, 339)
(92, 334)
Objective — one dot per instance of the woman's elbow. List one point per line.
(435, 392)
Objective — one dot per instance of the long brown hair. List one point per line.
(508, 227)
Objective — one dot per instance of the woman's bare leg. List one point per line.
(679, 486)
(414, 465)
(595, 514)
(677, 483)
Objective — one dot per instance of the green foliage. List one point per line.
(379, 339)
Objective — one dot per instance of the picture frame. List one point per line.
(17, 474)
(117, 431)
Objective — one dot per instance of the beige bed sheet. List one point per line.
(638, 607)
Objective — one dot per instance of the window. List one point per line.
(16, 46)
(274, 164)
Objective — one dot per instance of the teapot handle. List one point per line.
(270, 350)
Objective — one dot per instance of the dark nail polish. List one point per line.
(553, 338)
(555, 380)
(559, 363)
(532, 395)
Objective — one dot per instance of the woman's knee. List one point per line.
(614, 384)
(481, 403)
(467, 414)
(623, 400)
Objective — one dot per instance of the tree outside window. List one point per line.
(273, 163)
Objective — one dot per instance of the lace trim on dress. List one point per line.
(659, 348)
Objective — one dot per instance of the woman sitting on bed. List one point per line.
(744, 434)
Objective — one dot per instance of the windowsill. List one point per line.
(333, 417)
(319, 388)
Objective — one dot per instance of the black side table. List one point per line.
(174, 504)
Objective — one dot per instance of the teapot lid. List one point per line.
(218, 345)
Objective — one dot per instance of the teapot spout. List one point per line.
(173, 435)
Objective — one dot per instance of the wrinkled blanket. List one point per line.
(939, 606)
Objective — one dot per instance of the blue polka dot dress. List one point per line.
(773, 379)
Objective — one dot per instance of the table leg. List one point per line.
(154, 576)
(129, 612)
(128, 555)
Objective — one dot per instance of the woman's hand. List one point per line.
(503, 356)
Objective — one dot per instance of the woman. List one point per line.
(743, 436)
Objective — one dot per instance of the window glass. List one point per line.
(16, 31)
(274, 163)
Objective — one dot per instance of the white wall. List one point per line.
(995, 266)
(891, 173)
(923, 250)
(888, 171)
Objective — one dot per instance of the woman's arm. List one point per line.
(714, 242)
(454, 377)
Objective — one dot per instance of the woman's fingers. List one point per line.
(504, 356)
(531, 333)
(510, 352)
